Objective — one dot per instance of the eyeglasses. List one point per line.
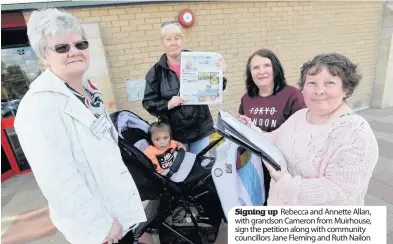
(173, 22)
(64, 48)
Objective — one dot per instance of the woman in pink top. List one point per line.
(330, 152)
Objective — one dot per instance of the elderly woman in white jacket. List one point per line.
(70, 141)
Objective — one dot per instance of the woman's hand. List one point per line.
(116, 232)
(174, 102)
(276, 175)
(247, 121)
(222, 64)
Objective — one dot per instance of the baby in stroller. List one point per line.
(169, 157)
(183, 205)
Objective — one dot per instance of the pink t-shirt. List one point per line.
(175, 67)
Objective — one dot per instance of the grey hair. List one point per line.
(50, 22)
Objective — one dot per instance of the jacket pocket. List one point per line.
(204, 113)
(184, 116)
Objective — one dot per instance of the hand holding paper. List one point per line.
(174, 102)
(276, 175)
(247, 121)
(222, 64)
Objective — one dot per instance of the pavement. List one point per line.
(25, 216)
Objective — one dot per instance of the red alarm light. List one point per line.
(186, 18)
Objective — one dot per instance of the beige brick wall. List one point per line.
(296, 31)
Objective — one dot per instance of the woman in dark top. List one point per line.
(191, 124)
(269, 101)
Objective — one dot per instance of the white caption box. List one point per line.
(319, 225)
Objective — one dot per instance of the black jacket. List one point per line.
(189, 123)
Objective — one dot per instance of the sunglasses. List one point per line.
(173, 22)
(64, 48)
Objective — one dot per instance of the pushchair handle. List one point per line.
(210, 146)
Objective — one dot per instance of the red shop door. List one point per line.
(12, 150)
(19, 67)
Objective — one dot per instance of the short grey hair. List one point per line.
(50, 22)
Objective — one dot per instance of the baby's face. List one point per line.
(161, 139)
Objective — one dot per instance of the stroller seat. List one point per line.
(133, 131)
(133, 136)
(172, 205)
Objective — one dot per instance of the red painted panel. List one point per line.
(7, 175)
(7, 147)
(9, 123)
(12, 20)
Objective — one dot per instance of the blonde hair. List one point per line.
(171, 29)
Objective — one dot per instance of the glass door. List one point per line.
(19, 67)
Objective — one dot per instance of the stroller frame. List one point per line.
(170, 195)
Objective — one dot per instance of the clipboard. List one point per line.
(232, 129)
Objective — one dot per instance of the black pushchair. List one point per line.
(183, 212)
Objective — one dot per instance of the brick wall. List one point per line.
(296, 31)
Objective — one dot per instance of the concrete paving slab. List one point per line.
(371, 200)
(58, 238)
(384, 176)
(33, 225)
(383, 127)
(384, 136)
(18, 183)
(385, 149)
(380, 190)
(388, 119)
(389, 239)
(6, 199)
(21, 203)
(383, 163)
(389, 223)
(380, 113)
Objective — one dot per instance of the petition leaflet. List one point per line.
(201, 80)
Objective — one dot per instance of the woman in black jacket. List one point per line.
(191, 124)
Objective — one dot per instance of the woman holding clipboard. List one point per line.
(330, 152)
(269, 101)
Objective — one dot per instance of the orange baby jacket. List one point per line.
(162, 158)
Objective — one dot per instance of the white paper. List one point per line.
(258, 139)
(201, 80)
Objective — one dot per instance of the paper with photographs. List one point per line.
(201, 80)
